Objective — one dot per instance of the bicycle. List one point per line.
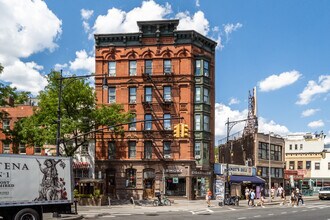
(162, 202)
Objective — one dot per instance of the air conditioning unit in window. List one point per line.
(167, 128)
(132, 102)
(168, 100)
(167, 156)
(132, 128)
(197, 157)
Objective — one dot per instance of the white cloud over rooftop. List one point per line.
(275, 82)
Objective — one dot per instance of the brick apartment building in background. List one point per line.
(13, 115)
(159, 74)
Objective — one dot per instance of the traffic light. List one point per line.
(176, 130)
(184, 130)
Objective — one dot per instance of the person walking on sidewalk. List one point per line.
(208, 197)
(272, 193)
(283, 198)
(299, 197)
(252, 197)
(247, 192)
(293, 198)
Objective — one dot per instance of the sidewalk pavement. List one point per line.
(143, 207)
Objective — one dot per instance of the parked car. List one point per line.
(324, 193)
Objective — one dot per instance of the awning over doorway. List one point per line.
(246, 179)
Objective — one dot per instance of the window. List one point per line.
(5, 124)
(198, 70)
(148, 94)
(111, 150)
(206, 96)
(275, 152)
(148, 67)
(290, 147)
(197, 122)
(132, 126)
(132, 95)
(206, 123)
(205, 151)
(131, 177)
(296, 146)
(167, 67)
(197, 94)
(197, 148)
(202, 68)
(112, 94)
(112, 68)
(147, 150)
(308, 165)
(132, 67)
(167, 93)
(167, 148)
(131, 149)
(5, 148)
(300, 165)
(301, 146)
(206, 68)
(84, 149)
(167, 121)
(22, 148)
(317, 165)
(291, 165)
(148, 122)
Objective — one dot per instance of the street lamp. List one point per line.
(230, 125)
(61, 78)
(269, 168)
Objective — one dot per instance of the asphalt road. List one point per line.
(319, 210)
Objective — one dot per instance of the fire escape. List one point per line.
(156, 106)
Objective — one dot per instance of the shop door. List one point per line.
(149, 183)
(111, 183)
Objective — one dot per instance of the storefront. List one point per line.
(240, 177)
(201, 182)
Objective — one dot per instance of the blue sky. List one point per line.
(280, 47)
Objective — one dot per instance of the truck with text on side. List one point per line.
(33, 185)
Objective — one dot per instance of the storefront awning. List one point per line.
(246, 179)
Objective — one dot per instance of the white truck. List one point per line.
(33, 185)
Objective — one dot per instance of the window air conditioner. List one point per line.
(132, 128)
(197, 157)
(167, 156)
(132, 102)
(168, 100)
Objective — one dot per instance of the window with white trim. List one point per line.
(132, 95)
(148, 67)
(167, 121)
(206, 123)
(148, 94)
(112, 68)
(197, 94)
(112, 94)
(197, 122)
(206, 96)
(132, 67)
(148, 122)
(167, 67)
(167, 93)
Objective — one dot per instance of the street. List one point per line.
(312, 210)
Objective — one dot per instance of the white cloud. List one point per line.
(316, 124)
(229, 28)
(275, 82)
(59, 66)
(233, 101)
(197, 22)
(83, 62)
(314, 88)
(24, 76)
(222, 112)
(86, 14)
(309, 112)
(198, 3)
(27, 27)
(118, 21)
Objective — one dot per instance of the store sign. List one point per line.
(238, 170)
(204, 173)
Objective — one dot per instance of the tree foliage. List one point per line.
(79, 115)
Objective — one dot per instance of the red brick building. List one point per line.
(160, 74)
(8, 122)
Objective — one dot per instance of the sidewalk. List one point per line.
(143, 207)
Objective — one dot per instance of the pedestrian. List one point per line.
(252, 197)
(283, 197)
(293, 198)
(299, 198)
(261, 201)
(272, 192)
(208, 197)
(280, 190)
(249, 197)
(247, 192)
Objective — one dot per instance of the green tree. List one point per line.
(79, 115)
